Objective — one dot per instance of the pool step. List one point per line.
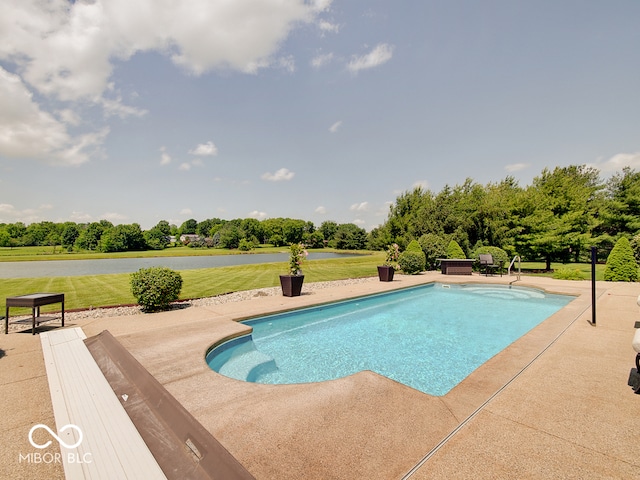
(505, 292)
(248, 364)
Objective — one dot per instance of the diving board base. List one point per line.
(110, 445)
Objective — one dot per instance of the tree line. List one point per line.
(559, 217)
(244, 234)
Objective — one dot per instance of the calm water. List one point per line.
(429, 338)
(67, 268)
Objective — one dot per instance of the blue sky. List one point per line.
(141, 111)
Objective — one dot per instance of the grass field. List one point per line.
(584, 268)
(107, 290)
(84, 292)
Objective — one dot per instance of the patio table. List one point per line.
(34, 301)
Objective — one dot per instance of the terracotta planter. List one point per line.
(385, 273)
(291, 285)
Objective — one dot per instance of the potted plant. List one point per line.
(292, 284)
(386, 270)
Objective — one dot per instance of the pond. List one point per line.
(67, 268)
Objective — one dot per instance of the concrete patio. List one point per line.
(554, 404)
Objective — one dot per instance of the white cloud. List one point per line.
(334, 128)
(165, 158)
(65, 51)
(62, 49)
(9, 213)
(382, 53)
(114, 217)
(326, 26)
(186, 166)
(281, 175)
(359, 222)
(618, 162)
(69, 117)
(115, 108)
(360, 207)
(287, 63)
(321, 60)
(26, 131)
(80, 217)
(516, 167)
(321, 5)
(186, 211)
(321, 210)
(421, 184)
(257, 214)
(205, 149)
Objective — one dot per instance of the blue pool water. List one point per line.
(429, 337)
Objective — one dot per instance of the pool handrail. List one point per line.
(517, 257)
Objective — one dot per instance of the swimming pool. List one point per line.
(429, 337)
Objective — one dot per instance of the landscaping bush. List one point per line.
(434, 247)
(413, 259)
(635, 246)
(156, 287)
(621, 263)
(566, 273)
(454, 250)
(413, 246)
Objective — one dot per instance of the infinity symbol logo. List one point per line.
(53, 434)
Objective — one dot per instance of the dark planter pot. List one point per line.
(385, 273)
(291, 285)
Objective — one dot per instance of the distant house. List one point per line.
(189, 237)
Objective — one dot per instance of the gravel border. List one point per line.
(22, 322)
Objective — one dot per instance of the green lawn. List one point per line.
(106, 290)
(584, 268)
(83, 292)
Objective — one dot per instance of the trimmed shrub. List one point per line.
(413, 246)
(621, 263)
(566, 273)
(454, 250)
(635, 246)
(413, 259)
(498, 254)
(434, 247)
(156, 287)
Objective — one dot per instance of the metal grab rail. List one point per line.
(517, 257)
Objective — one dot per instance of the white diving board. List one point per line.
(111, 446)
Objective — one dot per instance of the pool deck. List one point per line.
(554, 404)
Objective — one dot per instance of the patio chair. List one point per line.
(486, 262)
